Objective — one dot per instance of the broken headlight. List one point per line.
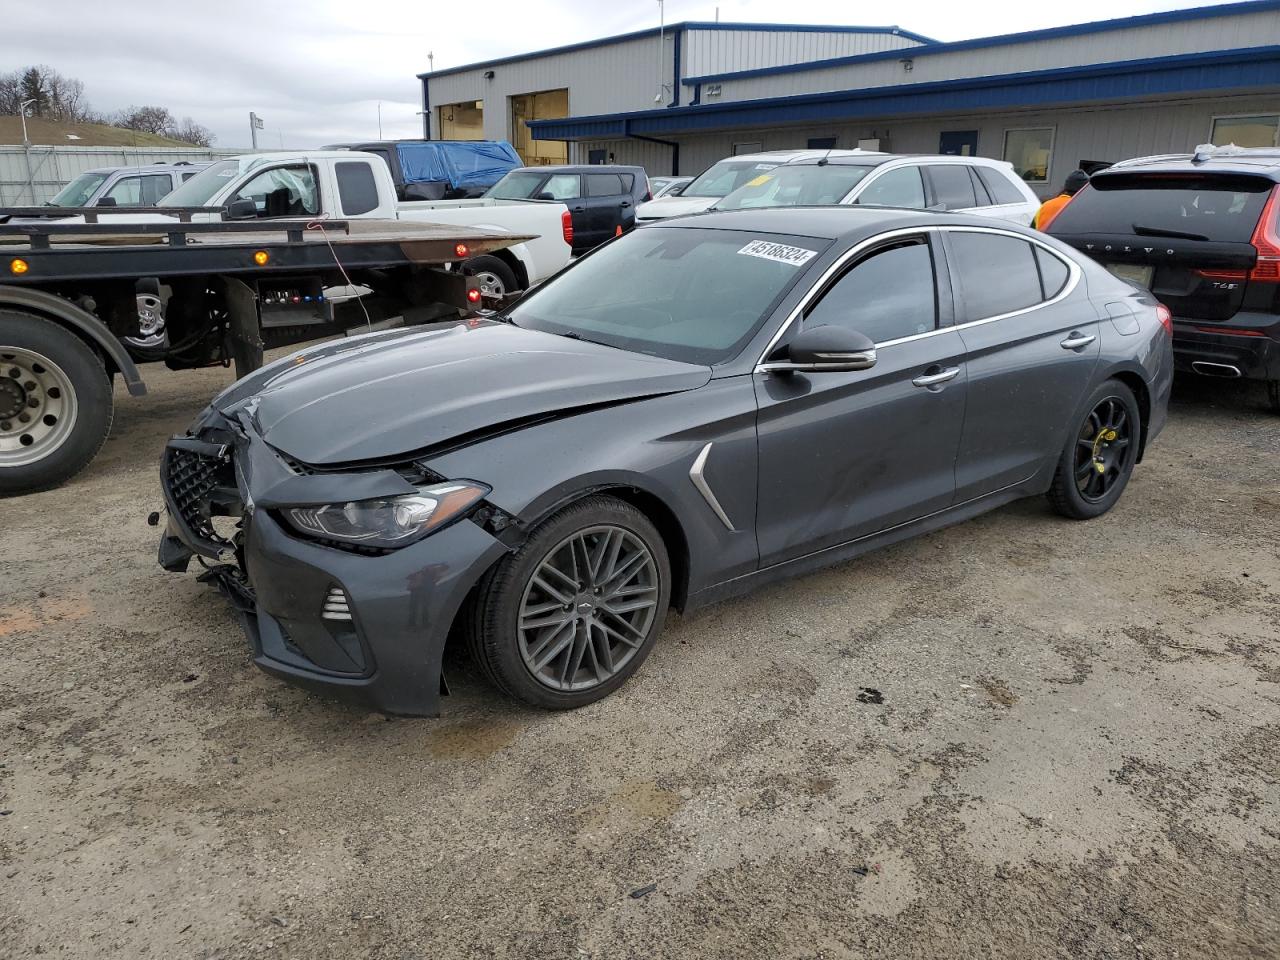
(390, 522)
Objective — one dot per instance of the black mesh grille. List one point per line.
(190, 477)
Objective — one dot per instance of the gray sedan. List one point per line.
(693, 410)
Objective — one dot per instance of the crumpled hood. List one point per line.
(665, 207)
(388, 394)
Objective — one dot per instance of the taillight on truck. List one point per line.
(1266, 240)
(566, 227)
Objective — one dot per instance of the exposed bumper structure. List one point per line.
(367, 627)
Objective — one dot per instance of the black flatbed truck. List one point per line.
(84, 302)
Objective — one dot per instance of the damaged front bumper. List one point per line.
(367, 626)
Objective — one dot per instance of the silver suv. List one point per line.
(143, 186)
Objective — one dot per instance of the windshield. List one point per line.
(200, 189)
(1192, 206)
(786, 186)
(78, 191)
(516, 186)
(692, 295)
(725, 177)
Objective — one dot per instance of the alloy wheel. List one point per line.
(588, 608)
(1104, 449)
(37, 406)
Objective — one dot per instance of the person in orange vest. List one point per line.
(1076, 179)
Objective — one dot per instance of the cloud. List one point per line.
(315, 70)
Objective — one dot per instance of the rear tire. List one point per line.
(573, 613)
(1098, 458)
(55, 414)
(497, 279)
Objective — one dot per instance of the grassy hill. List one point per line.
(90, 134)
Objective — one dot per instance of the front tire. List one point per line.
(571, 615)
(55, 403)
(1099, 455)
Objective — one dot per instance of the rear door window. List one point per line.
(996, 274)
(1222, 208)
(604, 185)
(952, 188)
(999, 186)
(357, 189)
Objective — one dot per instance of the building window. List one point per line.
(1029, 152)
(1259, 131)
(751, 146)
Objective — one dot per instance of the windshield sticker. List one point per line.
(778, 252)
(765, 166)
(759, 181)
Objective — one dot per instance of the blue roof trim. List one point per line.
(675, 27)
(1248, 67)
(1051, 33)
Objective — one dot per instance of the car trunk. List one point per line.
(1188, 237)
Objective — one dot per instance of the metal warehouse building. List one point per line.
(680, 98)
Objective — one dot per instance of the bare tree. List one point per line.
(191, 132)
(146, 119)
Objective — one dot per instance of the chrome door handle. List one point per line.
(1078, 340)
(933, 379)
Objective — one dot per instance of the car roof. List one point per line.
(154, 167)
(1263, 161)
(580, 168)
(790, 156)
(828, 223)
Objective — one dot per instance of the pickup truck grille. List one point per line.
(189, 478)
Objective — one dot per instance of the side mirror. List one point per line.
(828, 348)
(242, 209)
(677, 190)
(544, 196)
(106, 202)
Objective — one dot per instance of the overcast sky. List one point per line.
(315, 70)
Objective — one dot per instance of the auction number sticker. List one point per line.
(778, 252)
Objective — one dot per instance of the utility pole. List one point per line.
(379, 119)
(661, 42)
(255, 124)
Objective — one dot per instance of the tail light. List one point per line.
(1266, 240)
(1165, 317)
(566, 227)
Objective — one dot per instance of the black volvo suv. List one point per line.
(1202, 232)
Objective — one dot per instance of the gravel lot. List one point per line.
(1020, 737)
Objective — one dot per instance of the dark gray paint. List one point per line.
(810, 468)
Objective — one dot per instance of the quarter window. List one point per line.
(895, 188)
(999, 186)
(1029, 152)
(997, 274)
(888, 295)
(1053, 273)
(952, 188)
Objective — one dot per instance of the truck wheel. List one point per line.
(55, 403)
(496, 278)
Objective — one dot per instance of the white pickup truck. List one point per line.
(349, 185)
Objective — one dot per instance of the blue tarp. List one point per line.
(480, 163)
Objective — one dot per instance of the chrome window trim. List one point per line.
(1073, 280)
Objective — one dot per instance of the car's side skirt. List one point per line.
(957, 513)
